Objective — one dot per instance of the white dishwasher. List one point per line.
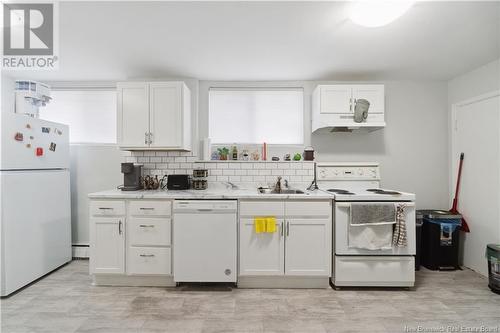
(205, 240)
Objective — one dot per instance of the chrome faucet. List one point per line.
(233, 186)
(277, 186)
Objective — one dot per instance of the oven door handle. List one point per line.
(348, 205)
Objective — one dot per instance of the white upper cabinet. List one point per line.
(333, 106)
(154, 115)
(133, 114)
(335, 98)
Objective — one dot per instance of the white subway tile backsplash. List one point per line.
(170, 162)
(302, 172)
(222, 165)
(271, 165)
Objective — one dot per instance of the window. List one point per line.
(90, 114)
(274, 116)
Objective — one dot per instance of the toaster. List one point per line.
(178, 182)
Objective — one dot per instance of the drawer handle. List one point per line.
(146, 208)
(147, 255)
(146, 225)
(105, 208)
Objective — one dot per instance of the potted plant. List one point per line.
(223, 152)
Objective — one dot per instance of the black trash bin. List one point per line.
(493, 256)
(418, 235)
(440, 238)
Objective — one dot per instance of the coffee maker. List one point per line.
(131, 177)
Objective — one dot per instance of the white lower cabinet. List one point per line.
(107, 239)
(301, 245)
(130, 238)
(308, 247)
(261, 254)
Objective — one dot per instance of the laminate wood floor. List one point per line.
(65, 301)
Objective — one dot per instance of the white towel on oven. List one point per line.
(376, 237)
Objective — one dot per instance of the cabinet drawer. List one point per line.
(308, 208)
(150, 208)
(262, 208)
(107, 208)
(149, 261)
(149, 231)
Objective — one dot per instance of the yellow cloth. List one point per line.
(264, 224)
(259, 224)
(270, 224)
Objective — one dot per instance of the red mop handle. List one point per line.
(455, 200)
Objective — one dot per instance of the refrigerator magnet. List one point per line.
(19, 137)
(28, 126)
(52, 146)
(46, 130)
(28, 145)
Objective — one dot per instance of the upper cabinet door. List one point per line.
(133, 114)
(335, 98)
(166, 114)
(373, 93)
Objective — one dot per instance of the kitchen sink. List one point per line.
(285, 191)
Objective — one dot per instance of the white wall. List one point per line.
(7, 96)
(412, 149)
(93, 168)
(467, 86)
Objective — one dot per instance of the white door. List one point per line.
(166, 114)
(373, 93)
(261, 254)
(133, 114)
(107, 246)
(476, 133)
(335, 99)
(308, 247)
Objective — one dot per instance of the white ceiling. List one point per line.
(270, 41)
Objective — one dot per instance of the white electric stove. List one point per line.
(354, 266)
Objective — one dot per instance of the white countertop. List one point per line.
(214, 191)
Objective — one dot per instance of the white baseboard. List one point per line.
(80, 251)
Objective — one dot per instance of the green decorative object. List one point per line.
(223, 152)
(297, 157)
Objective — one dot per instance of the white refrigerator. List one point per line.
(35, 211)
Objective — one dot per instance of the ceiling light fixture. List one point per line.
(378, 13)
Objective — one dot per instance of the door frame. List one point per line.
(453, 153)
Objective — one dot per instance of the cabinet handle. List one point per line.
(146, 225)
(287, 229)
(146, 138)
(105, 208)
(120, 227)
(350, 104)
(147, 255)
(146, 208)
(282, 229)
(150, 138)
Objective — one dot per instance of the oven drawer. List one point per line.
(148, 261)
(376, 271)
(149, 231)
(150, 208)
